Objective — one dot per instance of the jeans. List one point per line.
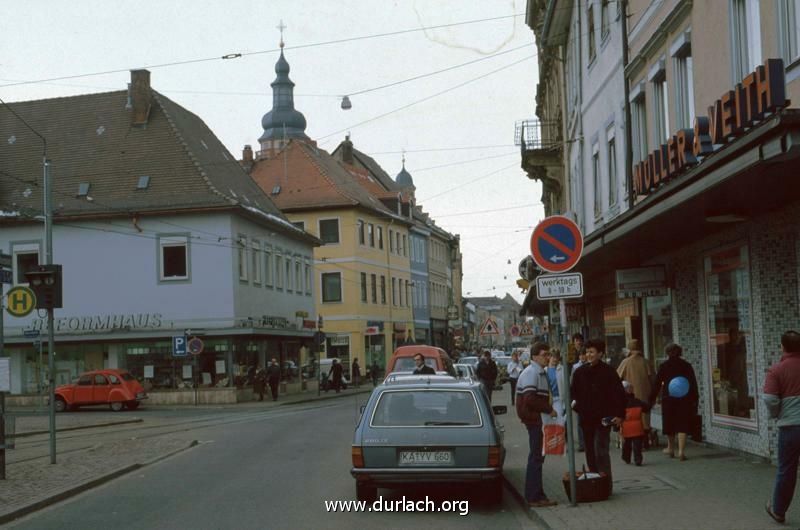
(597, 455)
(513, 382)
(785, 480)
(636, 442)
(534, 490)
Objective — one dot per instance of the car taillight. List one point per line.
(494, 456)
(358, 457)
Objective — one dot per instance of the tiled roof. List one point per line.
(370, 165)
(90, 140)
(310, 178)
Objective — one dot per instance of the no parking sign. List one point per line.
(556, 244)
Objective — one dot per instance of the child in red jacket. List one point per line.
(633, 427)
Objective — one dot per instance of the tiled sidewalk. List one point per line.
(713, 489)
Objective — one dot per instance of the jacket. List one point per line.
(670, 369)
(425, 370)
(598, 393)
(782, 390)
(487, 371)
(633, 424)
(533, 395)
(637, 371)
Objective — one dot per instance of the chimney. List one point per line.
(347, 151)
(247, 155)
(140, 97)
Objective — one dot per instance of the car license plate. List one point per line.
(426, 458)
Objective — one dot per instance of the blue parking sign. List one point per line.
(179, 346)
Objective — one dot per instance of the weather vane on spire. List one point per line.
(281, 27)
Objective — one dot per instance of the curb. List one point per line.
(77, 428)
(532, 514)
(71, 492)
(324, 398)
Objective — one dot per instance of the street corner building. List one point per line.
(385, 273)
(689, 214)
(162, 235)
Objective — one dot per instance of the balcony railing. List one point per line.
(529, 133)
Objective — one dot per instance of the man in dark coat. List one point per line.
(487, 373)
(421, 367)
(335, 374)
(259, 382)
(274, 378)
(600, 400)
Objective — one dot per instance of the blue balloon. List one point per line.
(678, 387)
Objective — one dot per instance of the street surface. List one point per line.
(260, 468)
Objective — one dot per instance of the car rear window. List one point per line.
(407, 364)
(126, 376)
(426, 408)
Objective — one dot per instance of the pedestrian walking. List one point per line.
(355, 370)
(487, 373)
(533, 407)
(600, 400)
(580, 351)
(513, 369)
(555, 377)
(782, 397)
(677, 384)
(259, 382)
(274, 378)
(637, 371)
(335, 374)
(632, 428)
(374, 372)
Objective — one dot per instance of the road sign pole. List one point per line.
(562, 306)
(48, 260)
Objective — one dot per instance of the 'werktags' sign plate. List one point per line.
(555, 286)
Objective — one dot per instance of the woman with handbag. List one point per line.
(678, 386)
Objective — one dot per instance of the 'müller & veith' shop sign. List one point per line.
(762, 91)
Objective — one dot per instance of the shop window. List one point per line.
(730, 340)
(329, 230)
(174, 258)
(331, 287)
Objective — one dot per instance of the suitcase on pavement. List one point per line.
(589, 489)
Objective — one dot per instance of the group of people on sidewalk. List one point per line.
(604, 399)
(271, 376)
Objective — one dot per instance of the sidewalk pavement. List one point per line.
(713, 489)
(33, 484)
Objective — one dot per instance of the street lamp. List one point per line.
(346, 105)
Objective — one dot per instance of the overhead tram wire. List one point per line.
(237, 55)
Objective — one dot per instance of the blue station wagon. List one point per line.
(428, 429)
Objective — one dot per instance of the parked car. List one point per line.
(465, 371)
(402, 359)
(112, 387)
(471, 360)
(428, 430)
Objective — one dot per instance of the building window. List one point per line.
(391, 241)
(278, 271)
(383, 289)
(300, 224)
(242, 253)
(730, 336)
(745, 37)
(590, 38)
(298, 278)
(660, 109)
(639, 129)
(308, 278)
(268, 267)
(329, 230)
(331, 287)
(405, 245)
(380, 237)
(257, 262)
(363, 286)
(408, 293)
(360, 230)
(598, 186)
(605, 23)
(613, 181)
(371, 234)
(394, 291)
(288, 264)
(27, 256)
(789, 22)
(373, 284)
(684, 86)
(400, 292)
(397, 246)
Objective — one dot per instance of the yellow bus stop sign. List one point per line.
(20, 301)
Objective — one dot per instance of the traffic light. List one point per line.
(45, 282)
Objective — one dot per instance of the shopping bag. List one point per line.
(554, 439)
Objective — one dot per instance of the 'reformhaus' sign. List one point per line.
(761, 92)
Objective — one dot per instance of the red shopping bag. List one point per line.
(554, 439)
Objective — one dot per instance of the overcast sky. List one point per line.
(480, 192)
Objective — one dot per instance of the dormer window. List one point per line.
(83, 189)
(144, 182)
